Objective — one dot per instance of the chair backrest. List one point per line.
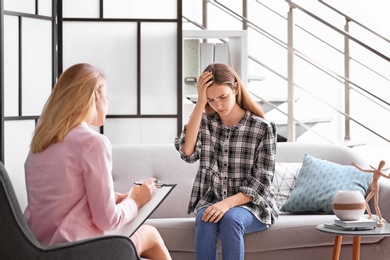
(17, 240)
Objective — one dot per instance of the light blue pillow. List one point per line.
(319, 180)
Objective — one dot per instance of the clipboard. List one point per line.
(144, 212)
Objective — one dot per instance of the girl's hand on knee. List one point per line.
(215, 212)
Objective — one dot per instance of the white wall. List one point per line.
(139, 58)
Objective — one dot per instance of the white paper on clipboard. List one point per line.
(144, 212)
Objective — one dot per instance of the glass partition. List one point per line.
(36, 65)
(136, 43)
(22, 6)
(11, 66)
(158, 73)
(145, 9)
(28, 55)
(45, 7)
(80, 9)
(113, 48)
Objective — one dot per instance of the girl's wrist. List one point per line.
(200, 102)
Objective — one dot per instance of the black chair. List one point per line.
(18, 242)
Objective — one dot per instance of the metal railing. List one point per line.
(288, 46)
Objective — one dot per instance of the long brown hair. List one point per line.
(71, 102)
(225, 75)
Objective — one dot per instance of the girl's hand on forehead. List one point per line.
(205, 80)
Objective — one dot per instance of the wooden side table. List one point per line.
(357, 234)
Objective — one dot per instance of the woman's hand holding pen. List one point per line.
(141, 194)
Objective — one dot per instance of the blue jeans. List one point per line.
(231, 229)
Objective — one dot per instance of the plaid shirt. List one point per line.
(240, 158)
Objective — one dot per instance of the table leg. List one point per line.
(337, 247)
(356, 248)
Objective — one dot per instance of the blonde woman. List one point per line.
(236, 147)
(68, 170)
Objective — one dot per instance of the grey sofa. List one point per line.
(292, 237)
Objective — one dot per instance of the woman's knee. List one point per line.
(152, 230)
(152, 244)
(150, 236)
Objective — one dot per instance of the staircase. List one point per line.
(307, 60)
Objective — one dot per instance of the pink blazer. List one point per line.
(70, 189)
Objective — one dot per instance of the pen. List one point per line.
(156, 182)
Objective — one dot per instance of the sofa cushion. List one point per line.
(179, 234)
(284, 180)
(319, 180)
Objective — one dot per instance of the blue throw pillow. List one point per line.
(319, 181)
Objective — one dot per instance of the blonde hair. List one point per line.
(71, 102)
(225, 75)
